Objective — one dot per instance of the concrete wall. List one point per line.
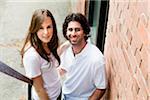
(127, 50)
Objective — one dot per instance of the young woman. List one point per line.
(40, 57)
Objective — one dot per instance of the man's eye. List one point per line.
(70, 29)
(77, 29)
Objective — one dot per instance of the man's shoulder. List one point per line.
(94, 53)
(94, 49)
(63, 47)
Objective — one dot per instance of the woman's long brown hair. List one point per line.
(32, 38)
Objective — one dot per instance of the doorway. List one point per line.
(97, 14)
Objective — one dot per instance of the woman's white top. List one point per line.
(35, 65)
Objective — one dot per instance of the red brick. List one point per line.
(129, 50)
(142, 83)
(142, 31)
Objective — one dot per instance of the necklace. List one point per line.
(77, 52)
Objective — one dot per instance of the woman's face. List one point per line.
(45, 33)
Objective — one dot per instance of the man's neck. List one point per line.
(78, 48)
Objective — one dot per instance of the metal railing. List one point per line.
(15, 74)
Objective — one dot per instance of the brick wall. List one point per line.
(127, 50)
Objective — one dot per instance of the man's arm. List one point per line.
(97, 94)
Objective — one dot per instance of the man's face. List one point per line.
(75, 33)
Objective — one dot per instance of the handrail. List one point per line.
(15, 74)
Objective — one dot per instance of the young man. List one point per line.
(82, 63)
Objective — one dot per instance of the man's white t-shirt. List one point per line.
(35, 65)
(84, 72)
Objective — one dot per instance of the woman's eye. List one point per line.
(41, 27)
(50, 26)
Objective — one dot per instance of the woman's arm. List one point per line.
(97, 94)
(39, 87)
